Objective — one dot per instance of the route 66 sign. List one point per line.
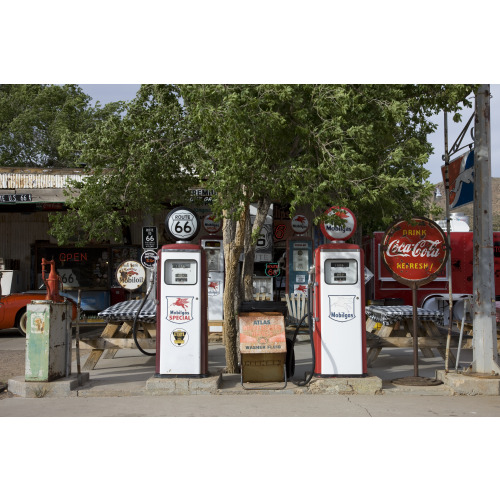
(149, 238)
(272, 269)
(182, 224)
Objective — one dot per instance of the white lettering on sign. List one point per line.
(423, 248)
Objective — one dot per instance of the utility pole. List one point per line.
(448, 239)
(485, 358)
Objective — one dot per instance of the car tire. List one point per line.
(21, 321)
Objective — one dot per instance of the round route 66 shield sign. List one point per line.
(182, 224)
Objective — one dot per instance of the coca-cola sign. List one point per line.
(415, 251)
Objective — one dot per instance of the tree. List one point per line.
(36, 119)
(361, 146)
(137, 157)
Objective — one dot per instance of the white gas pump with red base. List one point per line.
(181, 324)
(339, 333)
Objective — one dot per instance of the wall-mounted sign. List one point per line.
(300, 224)
(211, 225)
(272, 269)
(414, 251)
(15, 198)
(337, 231)
(182, 223)
(149, 237)
(130, 275)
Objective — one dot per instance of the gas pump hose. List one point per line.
(134, 326)
(312, 346)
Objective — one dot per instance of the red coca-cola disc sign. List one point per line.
(415, 251)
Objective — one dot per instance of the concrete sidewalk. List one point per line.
(118, 387)
(130, 373)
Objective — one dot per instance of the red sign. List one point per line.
(415, 251)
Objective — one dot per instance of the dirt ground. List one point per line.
(11, 365)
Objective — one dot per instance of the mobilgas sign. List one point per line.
(338, 231)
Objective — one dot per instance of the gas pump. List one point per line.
(299, 259)
(214, 252)
(339, 305)
(181, 319)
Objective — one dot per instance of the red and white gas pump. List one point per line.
(181, 324)
(339, 303)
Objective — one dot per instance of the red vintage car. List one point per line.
(13, 309)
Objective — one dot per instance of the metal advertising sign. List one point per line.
(149, 258)
(335, 232)
(130, 275)
(461, 178)
(414, 251)
(262, 332)
(300, 224)
(149, 237)
(211, 225)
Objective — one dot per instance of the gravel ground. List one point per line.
(12, 365)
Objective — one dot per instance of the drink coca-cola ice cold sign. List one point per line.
(415, 251)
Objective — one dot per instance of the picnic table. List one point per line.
(117, 333)
(392, 326)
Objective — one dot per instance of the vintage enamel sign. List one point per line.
(130, 275)
(414, 251)
(300, 224)
(335, 232)
(211, 225)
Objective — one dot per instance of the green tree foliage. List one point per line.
(36, 119)
(137, 157)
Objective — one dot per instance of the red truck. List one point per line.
(434, 295)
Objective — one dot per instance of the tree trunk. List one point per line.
(233, 234)
(251, 238)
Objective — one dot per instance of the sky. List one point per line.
(114, 92)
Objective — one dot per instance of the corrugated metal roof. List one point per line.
(37, 178)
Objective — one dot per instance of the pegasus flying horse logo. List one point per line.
(179, 309)
(181, 303)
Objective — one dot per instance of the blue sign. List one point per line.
(461, 177)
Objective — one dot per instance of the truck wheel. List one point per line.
(21, 321)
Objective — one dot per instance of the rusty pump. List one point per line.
(52, 282)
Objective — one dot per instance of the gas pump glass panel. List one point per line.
(341, 272)
(213, 260)
(181, 272)
(300, 260)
